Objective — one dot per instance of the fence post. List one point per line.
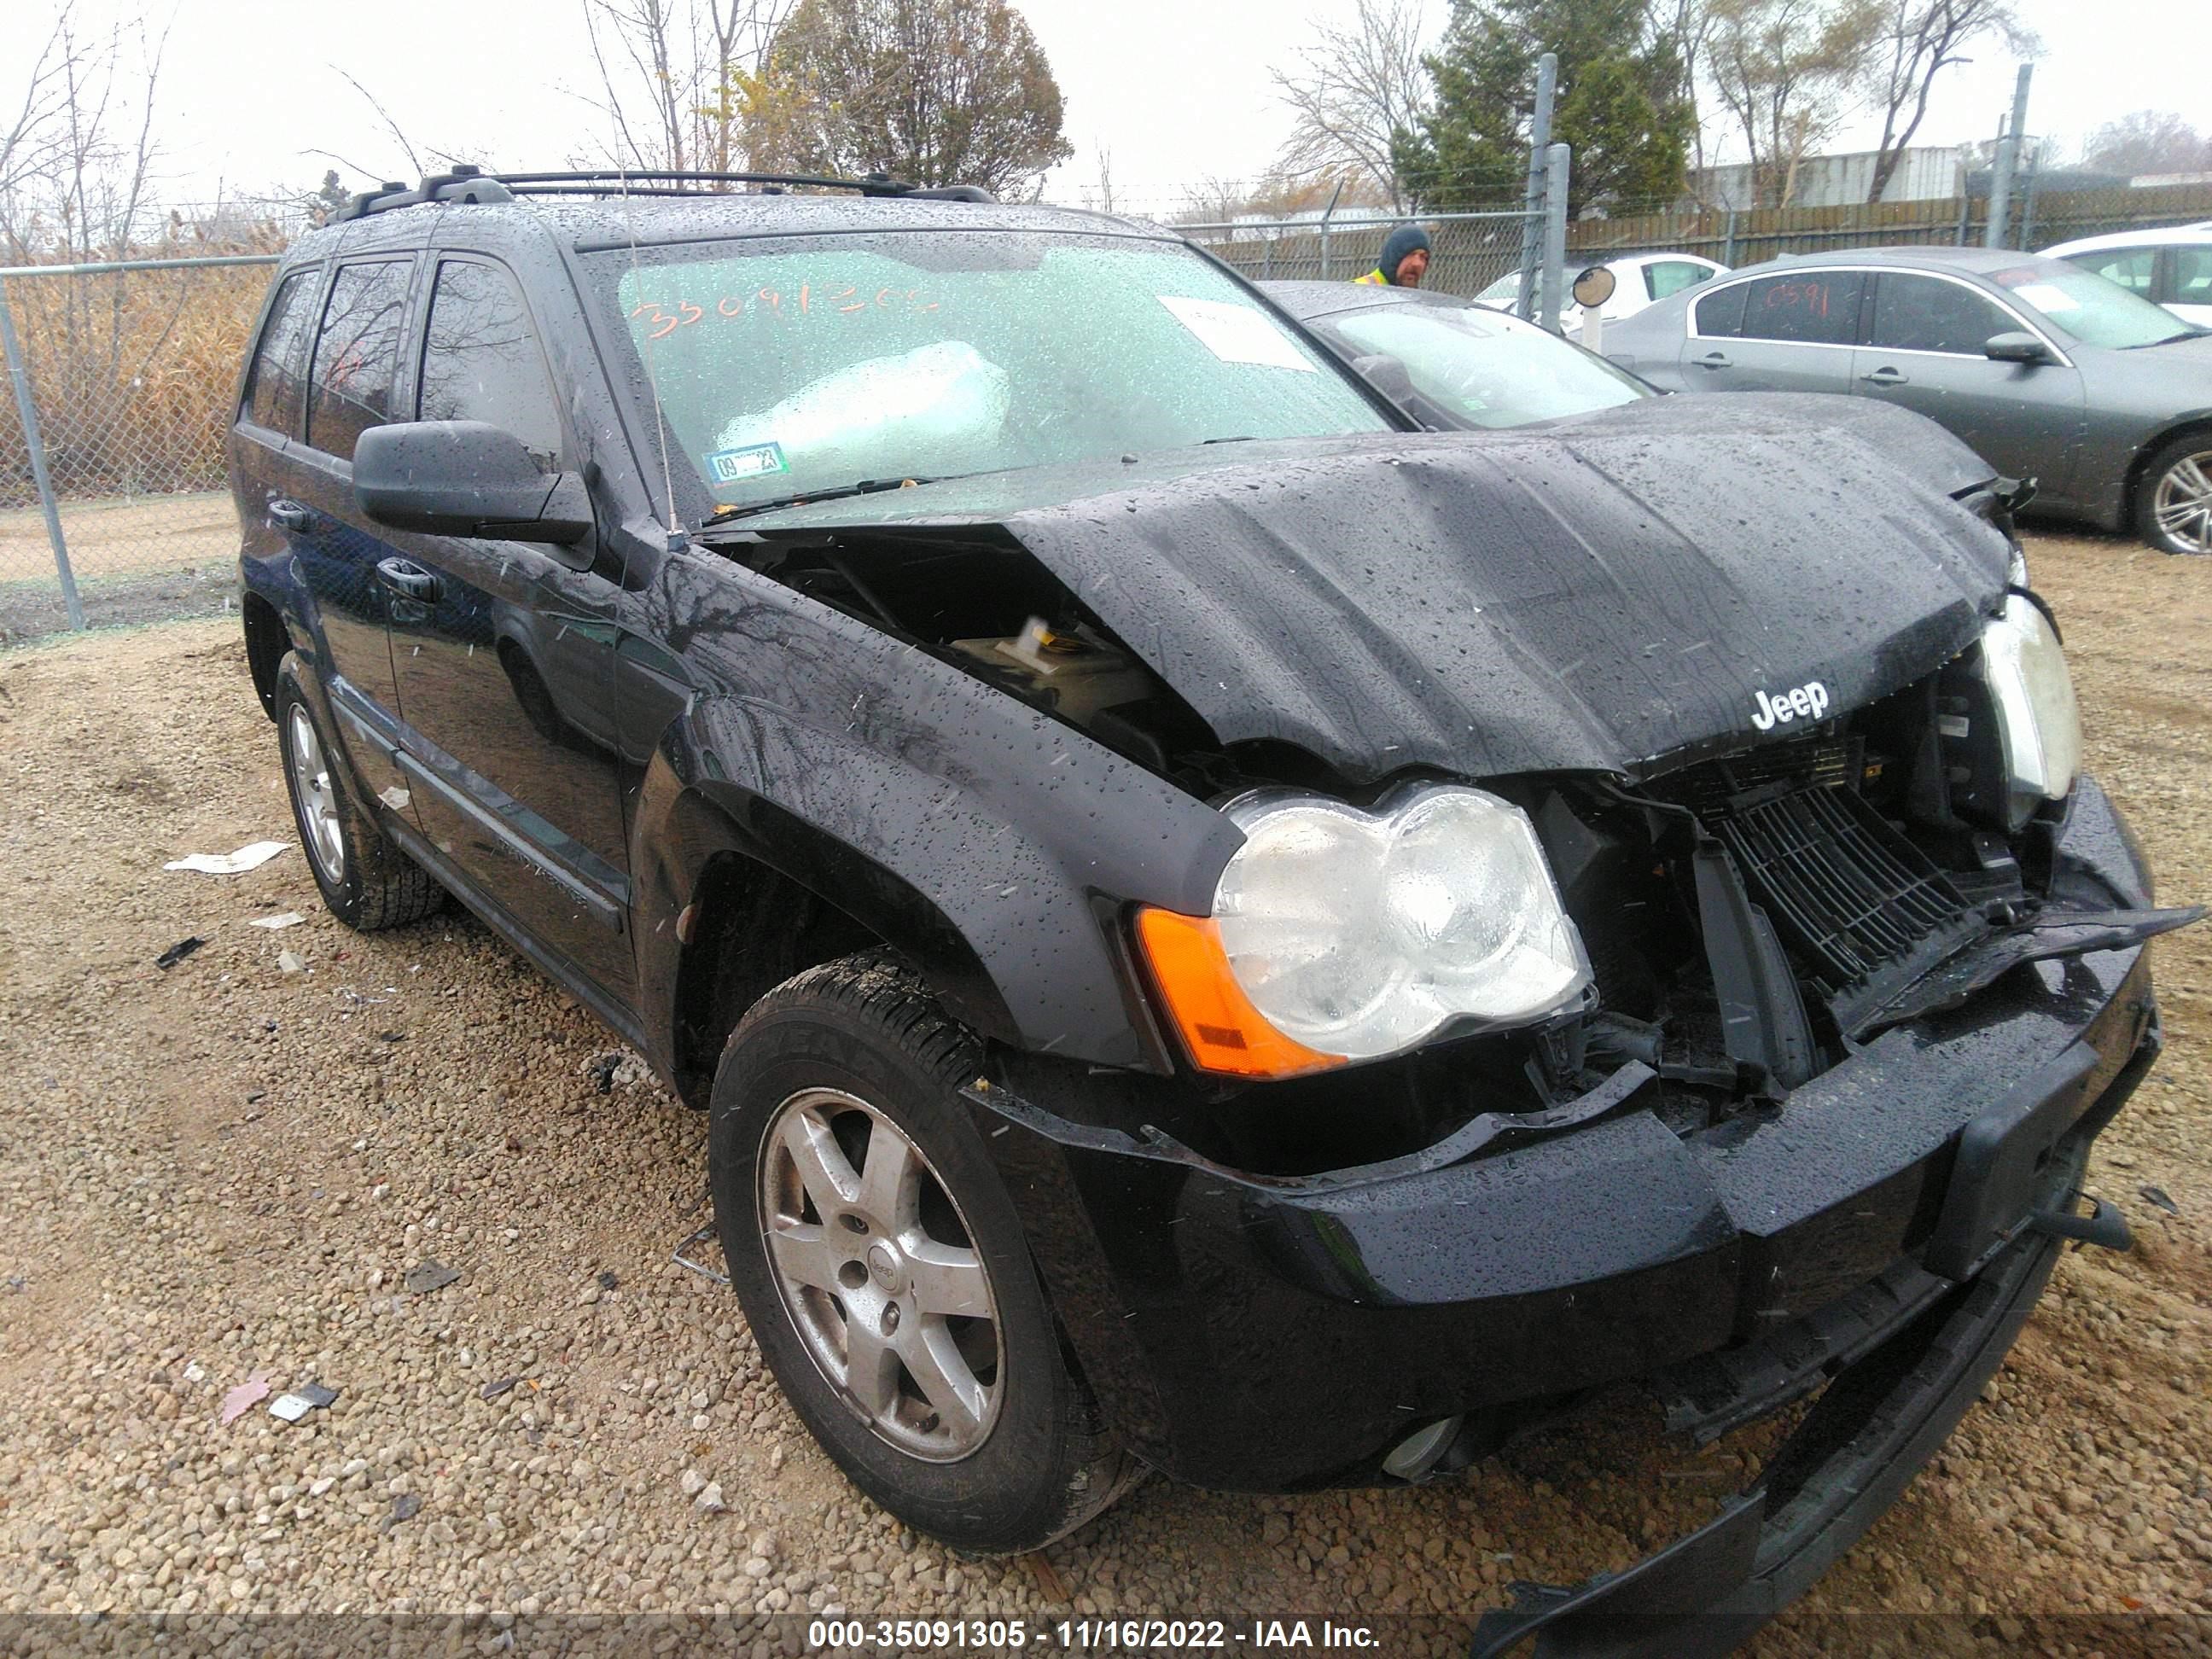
(2027, 205)
(1728, 249)
(38, 448)
(1532, 202)
(2007, 158)
(1555, 232)
(1327, 214)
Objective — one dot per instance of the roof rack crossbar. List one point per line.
(467, 183)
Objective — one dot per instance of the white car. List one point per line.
(1638, 279)
(2173, 268)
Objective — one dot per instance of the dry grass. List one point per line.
(133, 375)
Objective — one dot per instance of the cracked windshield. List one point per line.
(817, 364)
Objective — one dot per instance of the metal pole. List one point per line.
(1966, 209)
(1728, 249)
(1327, 214)
(38, 448)
(2028, 203)
(1532, 203)
(2007, 158)
(1555, 232)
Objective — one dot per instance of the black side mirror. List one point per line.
(465, 478)
(2017, 346)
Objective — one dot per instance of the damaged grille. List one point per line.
(1863, 909)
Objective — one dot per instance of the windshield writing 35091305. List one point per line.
(810, 300)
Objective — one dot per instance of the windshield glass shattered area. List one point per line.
(790, 364)
(2094, 309)
(1489, 369)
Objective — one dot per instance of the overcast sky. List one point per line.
(1175, 89)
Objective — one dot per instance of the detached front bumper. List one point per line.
(1253, 1334)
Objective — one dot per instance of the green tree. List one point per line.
(934, 92)
(1621, 104)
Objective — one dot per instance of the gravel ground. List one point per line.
(225, 1171)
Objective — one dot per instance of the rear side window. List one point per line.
(1670, 276)
(1720, 316)
(481, 359)
(1925, 313)
(357, 354)
(279, 366)
(2132, 268)
(1807, 307)
(2192, 277)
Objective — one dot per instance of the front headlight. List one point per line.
(1354, 934)
(2039, 726)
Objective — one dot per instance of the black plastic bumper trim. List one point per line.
(1859, 1447)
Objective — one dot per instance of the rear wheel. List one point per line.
(368, 883)
(885, 1270)
(2173, 509)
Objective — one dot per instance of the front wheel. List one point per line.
(885, 1270)
(2173, 509)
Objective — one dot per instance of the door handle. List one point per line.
(1712, 360)
(289, 515)
(1885, 377)
(409, 580)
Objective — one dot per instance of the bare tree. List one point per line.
(2147, 141)
(673, 78)
(1788, 72)
(1100, 195)
(1919, 40)
(77, 161)
(1350, 91)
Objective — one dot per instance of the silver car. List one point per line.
(2048, 371)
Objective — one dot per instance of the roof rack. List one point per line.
(469, 183)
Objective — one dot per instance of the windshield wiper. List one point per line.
(2185, 334)
(801, 498)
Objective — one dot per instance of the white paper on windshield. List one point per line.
(2045, 297)
(1237, 334)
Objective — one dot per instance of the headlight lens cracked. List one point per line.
(1361, 933)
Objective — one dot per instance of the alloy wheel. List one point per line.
(2182, 505)
(879, 1275)
(317, 798)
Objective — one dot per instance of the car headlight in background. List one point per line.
(1339, 934)
(2039, 726)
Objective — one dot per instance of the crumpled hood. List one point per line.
(1611, 592)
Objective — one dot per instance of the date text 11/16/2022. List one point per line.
(1084, 1635)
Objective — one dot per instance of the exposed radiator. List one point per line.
(1861, 908)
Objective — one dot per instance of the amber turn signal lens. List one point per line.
(1221, 1032)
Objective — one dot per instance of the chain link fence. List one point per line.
(1468, 252)
(128, 370)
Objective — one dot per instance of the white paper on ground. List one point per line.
(1237, 334)
(289, 919)
(229, 864)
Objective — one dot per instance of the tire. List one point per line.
(825, 1063)
(2174, 503)
(368, 883)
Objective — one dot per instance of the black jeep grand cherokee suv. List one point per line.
(1218, 931)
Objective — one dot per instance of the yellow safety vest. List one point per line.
(1374, 278)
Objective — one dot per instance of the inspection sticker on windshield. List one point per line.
(1237, 334)
(754, 461)
(2046, 297)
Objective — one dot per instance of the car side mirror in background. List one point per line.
(2017, 347)
(465, 478)
(1387, 375)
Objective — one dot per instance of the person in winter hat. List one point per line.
(1404, 259)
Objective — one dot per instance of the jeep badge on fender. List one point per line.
(1808, 701)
